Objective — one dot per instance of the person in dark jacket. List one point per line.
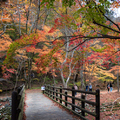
(86, 87)
(108, 87)
(111, 88)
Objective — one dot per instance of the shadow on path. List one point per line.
(39, 107)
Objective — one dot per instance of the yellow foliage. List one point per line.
(5, 42)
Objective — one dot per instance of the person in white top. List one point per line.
(90, 87)
(76, 88)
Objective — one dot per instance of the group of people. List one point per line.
(109, 87)
(89, 87)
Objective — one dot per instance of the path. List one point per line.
(106, 91)
(39, 107)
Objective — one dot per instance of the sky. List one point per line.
(117, 12)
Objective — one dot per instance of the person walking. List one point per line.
(111, 88)
(76, 88)
(90, 87)
(87, 87)
(108, 87)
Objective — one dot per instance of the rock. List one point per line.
(1, 117)
(4, 100)
(7, 117)
(7, 105)
(8, 98)
(5, 111)
(3, 107)
(10, 104)
(8, 111)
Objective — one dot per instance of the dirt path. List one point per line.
(39, 107)
(105, 91)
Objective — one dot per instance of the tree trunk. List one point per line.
(38, 13)
(82, 79)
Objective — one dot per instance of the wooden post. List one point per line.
(53, 91)
(48, 90)
(98, 104)
(19, 97)
(45, 89)
(14, 105)
(60, 94)
(66, 98)
(73, 100)
(83, 104)
(56, 95)
(18, 90)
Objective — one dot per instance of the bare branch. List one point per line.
(106, 27)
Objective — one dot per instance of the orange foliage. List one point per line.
(5, 41)
(116, 4)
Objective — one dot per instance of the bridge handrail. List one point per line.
(52, 92)
(18, 103)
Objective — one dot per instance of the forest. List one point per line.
(61, 42)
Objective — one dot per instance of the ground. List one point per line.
(5, 95)
(106, 100)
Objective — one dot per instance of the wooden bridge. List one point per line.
(39, 106)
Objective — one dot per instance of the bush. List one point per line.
(70, 85)
(78, 84)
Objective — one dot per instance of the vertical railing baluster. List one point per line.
(73, 100)
(48, 90)
(60, 94)
(53, 91)
(83, 104)
(98, 104)
(56, 95)
(66, 98)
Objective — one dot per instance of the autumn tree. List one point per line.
(17, 19)
(80, 22)
(23, 16)
(94, 23)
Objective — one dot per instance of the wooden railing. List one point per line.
(18, 103)
(61, 96)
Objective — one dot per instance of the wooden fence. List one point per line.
(18, 103)
(61, 96)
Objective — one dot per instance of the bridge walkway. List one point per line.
(39, 107)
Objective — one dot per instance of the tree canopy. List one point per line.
(69, 35)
